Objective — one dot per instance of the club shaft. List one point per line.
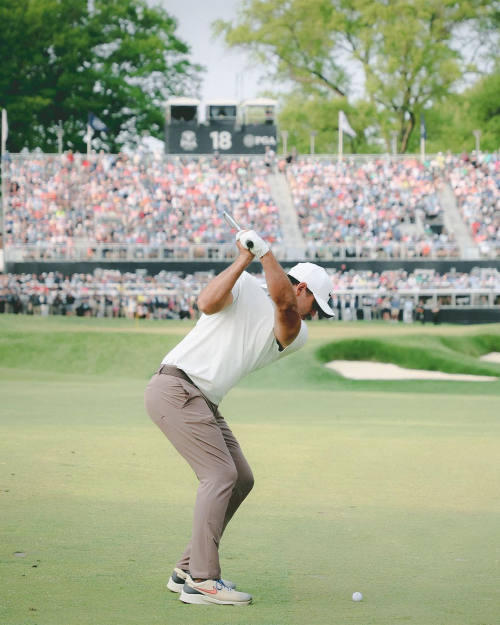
(234, 225)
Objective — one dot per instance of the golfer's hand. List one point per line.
(244, 252)
(259, 248)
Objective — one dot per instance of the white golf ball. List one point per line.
(357, 596)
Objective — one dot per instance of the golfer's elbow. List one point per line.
(206, 306)
(211, 305)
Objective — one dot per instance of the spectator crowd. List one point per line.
(170, 295)
(108, 199)
(364, 202)
(476, 184)
(143, 200)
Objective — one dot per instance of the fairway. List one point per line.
(386, 488)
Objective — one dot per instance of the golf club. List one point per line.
(233, 224)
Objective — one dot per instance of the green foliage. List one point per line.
(483, 102)
(403, 51)
(450, 124)
(301, 114)
(294, 38)
(59, 62)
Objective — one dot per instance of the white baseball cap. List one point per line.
(318, 282)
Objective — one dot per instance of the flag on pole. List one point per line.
(97, 124)
(423, 129)
(344, 125)
(5, 129)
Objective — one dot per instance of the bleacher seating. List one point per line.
(367, 202)
(476, 185)
(138, 200)
(129, 208)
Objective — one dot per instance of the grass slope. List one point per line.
(431, 353)
(124, 348)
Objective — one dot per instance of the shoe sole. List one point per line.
(171, 585)
(174, 587)
(203, 600)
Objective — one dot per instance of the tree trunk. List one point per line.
(407, 133)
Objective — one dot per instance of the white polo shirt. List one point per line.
(225, 347)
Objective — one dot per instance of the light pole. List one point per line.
(394, 141)
(284, 136)
(313, 134)
(477, 134)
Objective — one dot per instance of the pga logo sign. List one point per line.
(188, 140)
(250, 141)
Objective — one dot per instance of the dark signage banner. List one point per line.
(191, 139)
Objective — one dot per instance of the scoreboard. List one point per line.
(188, 138)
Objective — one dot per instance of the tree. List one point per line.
(60, 61)
(302, 114)
(401, 50)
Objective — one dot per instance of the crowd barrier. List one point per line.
(362, 251)
(432, 298)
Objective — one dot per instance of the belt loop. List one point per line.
(160, 369)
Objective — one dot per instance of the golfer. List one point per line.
(242, 328)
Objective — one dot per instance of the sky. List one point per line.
(229, 74)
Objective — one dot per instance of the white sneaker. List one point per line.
(212, 591)
(178, 578)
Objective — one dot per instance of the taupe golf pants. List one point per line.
(199, 433)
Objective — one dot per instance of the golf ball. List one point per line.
(357, 596)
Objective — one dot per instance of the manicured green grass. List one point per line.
(431, 353)
(388, 489)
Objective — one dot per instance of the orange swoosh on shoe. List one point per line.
(210, 592)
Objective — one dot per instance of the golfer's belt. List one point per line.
(179, 373)
(176, 372)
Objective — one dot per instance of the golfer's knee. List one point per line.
(227, 478)
(245, 483)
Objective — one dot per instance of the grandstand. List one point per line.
(67, 207)
(477, 193)
(118, 208)
(75, 214)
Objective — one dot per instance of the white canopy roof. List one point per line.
(259, 102)
(222, 103)
(183, 102)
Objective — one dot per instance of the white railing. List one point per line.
(95, 253)
(446, 298)
(124, 253)
(147, 156)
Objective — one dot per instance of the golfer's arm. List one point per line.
(217, 294)
(286, 316)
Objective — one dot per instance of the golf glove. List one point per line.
(260, 247)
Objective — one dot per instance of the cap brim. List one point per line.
(325, 309)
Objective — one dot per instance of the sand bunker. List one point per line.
(491, 357)
(367, 370)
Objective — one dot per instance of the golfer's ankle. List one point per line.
(197, 579)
